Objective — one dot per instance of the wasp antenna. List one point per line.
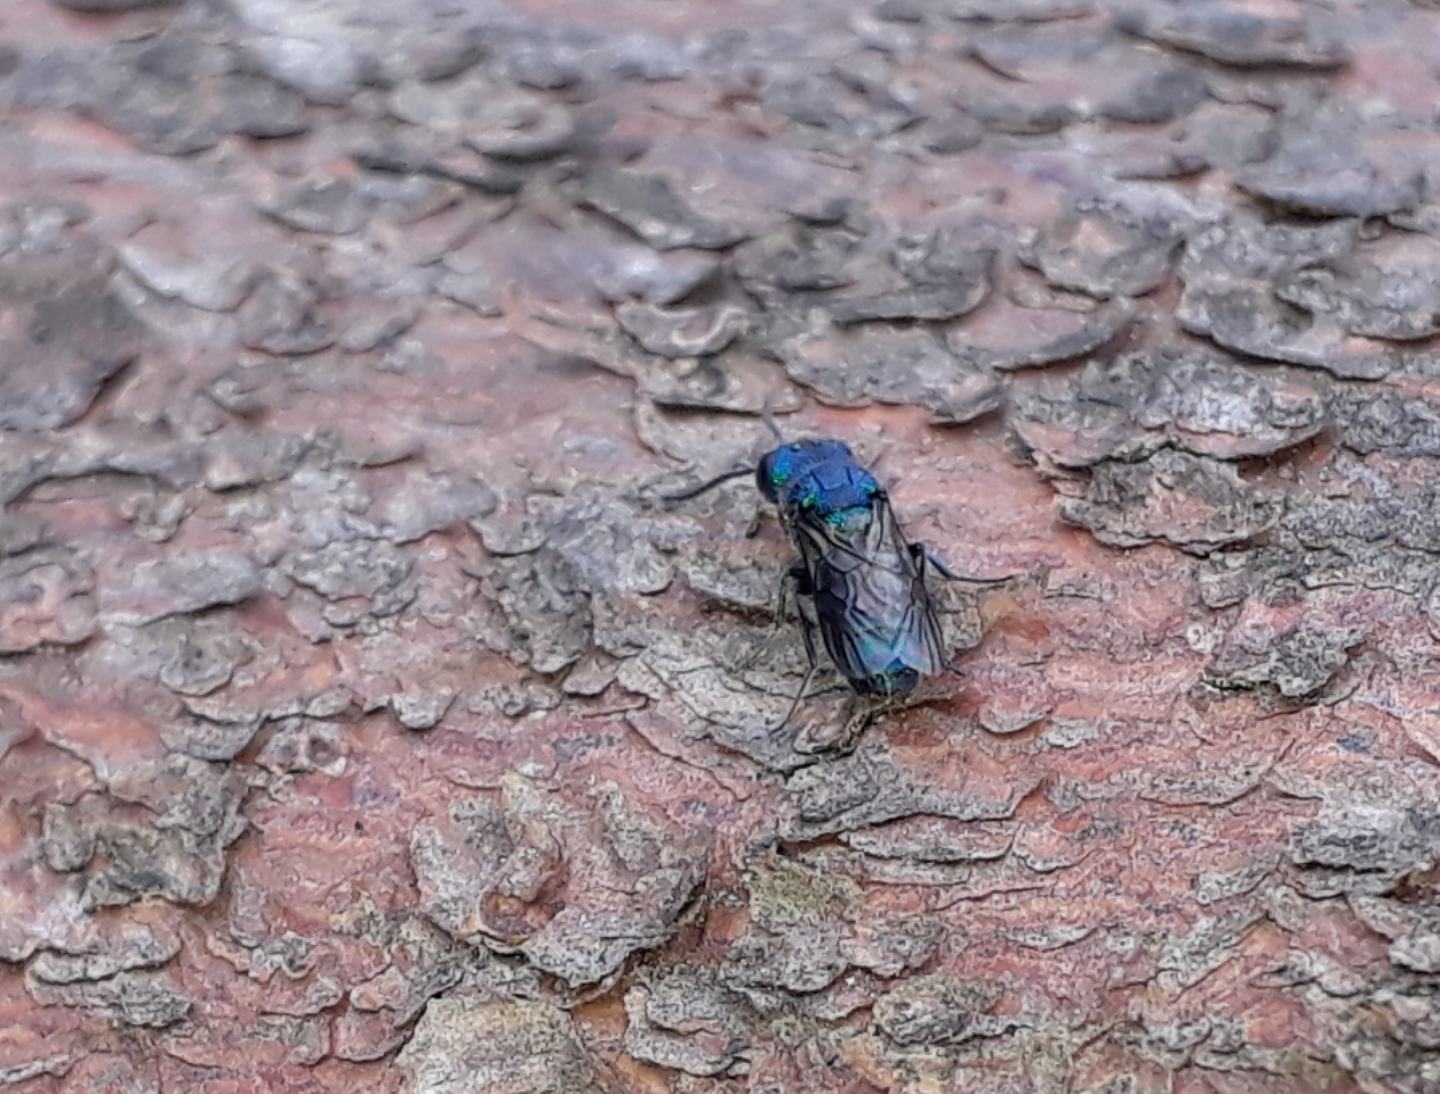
(693, 492)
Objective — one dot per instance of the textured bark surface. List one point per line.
(367, 724)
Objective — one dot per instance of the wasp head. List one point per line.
(778, 469)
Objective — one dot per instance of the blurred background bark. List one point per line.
(366, 725)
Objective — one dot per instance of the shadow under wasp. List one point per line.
(863, 581)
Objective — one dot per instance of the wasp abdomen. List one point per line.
(898, 679)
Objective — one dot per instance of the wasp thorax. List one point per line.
(865, 583)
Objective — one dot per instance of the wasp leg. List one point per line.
(799, 698)
(839, 738)
(753, 528)
(864, 713)
(793, 580)
(768, 417)
(923, 556)
(812, 656)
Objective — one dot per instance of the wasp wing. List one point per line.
(870, 598)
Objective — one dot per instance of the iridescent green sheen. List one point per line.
(855, 515)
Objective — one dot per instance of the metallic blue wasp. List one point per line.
(864, 582)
